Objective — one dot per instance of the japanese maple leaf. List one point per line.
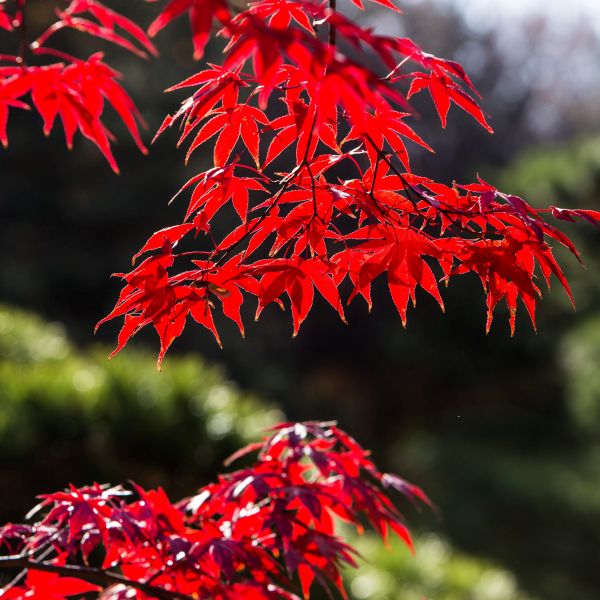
(77, 94)
(307, 222)
(104, 27)
(228, 283)
(85, 509)
(301, 126)
(388, 125)
(11, 89)
(298, 279)
(571, 215)
(279, 14)
(398, 253)
(201, 14)
(109, 21)
(217, 87)
(214, 188)
(240, 121)
(506, 270)
(162, 301)
(444, 91)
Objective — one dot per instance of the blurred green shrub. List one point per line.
(580, 356)
(26, 338)
(67, 415)
(561, 174)
(437, 572)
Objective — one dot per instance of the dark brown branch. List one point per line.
(227, 251)
(91, 575)
(286, 182)
(332, 31)
(23, 40)
(409, 188)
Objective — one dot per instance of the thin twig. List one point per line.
(332, 31)
(23, 40)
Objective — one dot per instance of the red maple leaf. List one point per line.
(201, 15)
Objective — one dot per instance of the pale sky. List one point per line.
(485, 14)
(560, 11)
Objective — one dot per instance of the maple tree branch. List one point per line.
(332, 31)
(408, 187)
(45, 552)
(23, 40)
(393, 72)
(281, 191)
(38, 50)
(9, 58)
(237, 6)
(89, 574)
(375, 171)
(286, 184)
(385, 209)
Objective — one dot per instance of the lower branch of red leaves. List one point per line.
(265, 532)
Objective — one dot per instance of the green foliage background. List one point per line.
(68, 415)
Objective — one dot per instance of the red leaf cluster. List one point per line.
(310, 148)
(62, 86)
(265, 531)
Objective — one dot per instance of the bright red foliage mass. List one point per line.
(283, 89)
(310, 149)
(266, 531)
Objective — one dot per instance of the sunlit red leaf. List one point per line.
(201, 15)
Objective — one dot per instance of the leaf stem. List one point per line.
(23, 40)
(332, 31)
